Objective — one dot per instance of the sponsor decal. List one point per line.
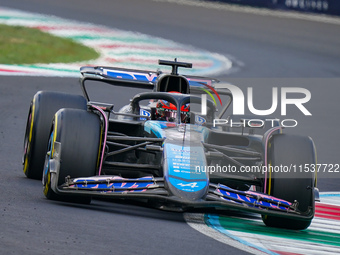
(144, 112)
(192, 184)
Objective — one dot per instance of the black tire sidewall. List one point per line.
(292, 151)
(45, 104)
(78, 132)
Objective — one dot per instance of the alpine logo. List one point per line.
(192, 185)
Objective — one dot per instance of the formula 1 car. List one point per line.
(161, 149)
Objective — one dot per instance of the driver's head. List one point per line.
(167, 111)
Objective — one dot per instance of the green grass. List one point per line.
(22, 45)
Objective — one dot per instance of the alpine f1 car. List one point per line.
(161, 149)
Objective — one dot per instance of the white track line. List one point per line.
(265, 244)
(196, 221)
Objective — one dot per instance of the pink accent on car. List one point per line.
(105, 135)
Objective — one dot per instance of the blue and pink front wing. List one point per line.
(218, 196)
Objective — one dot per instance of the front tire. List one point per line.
(291, 150)
(78, 133)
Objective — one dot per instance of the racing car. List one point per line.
(164, 148)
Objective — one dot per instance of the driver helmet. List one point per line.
(167, 111)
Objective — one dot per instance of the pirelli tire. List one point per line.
(291, 150)
(42, 109)
(78, 134)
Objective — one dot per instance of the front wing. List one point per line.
(219, 196)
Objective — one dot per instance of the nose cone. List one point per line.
(182, 169)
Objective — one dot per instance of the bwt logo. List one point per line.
(239, 99)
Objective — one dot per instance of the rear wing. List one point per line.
(117, 77)
(134, 78)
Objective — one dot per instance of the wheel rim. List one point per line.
(46, 179)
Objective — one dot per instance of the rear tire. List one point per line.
(287, 150)
(42, 109)
(78, 133)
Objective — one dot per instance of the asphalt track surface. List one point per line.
(265, 51)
